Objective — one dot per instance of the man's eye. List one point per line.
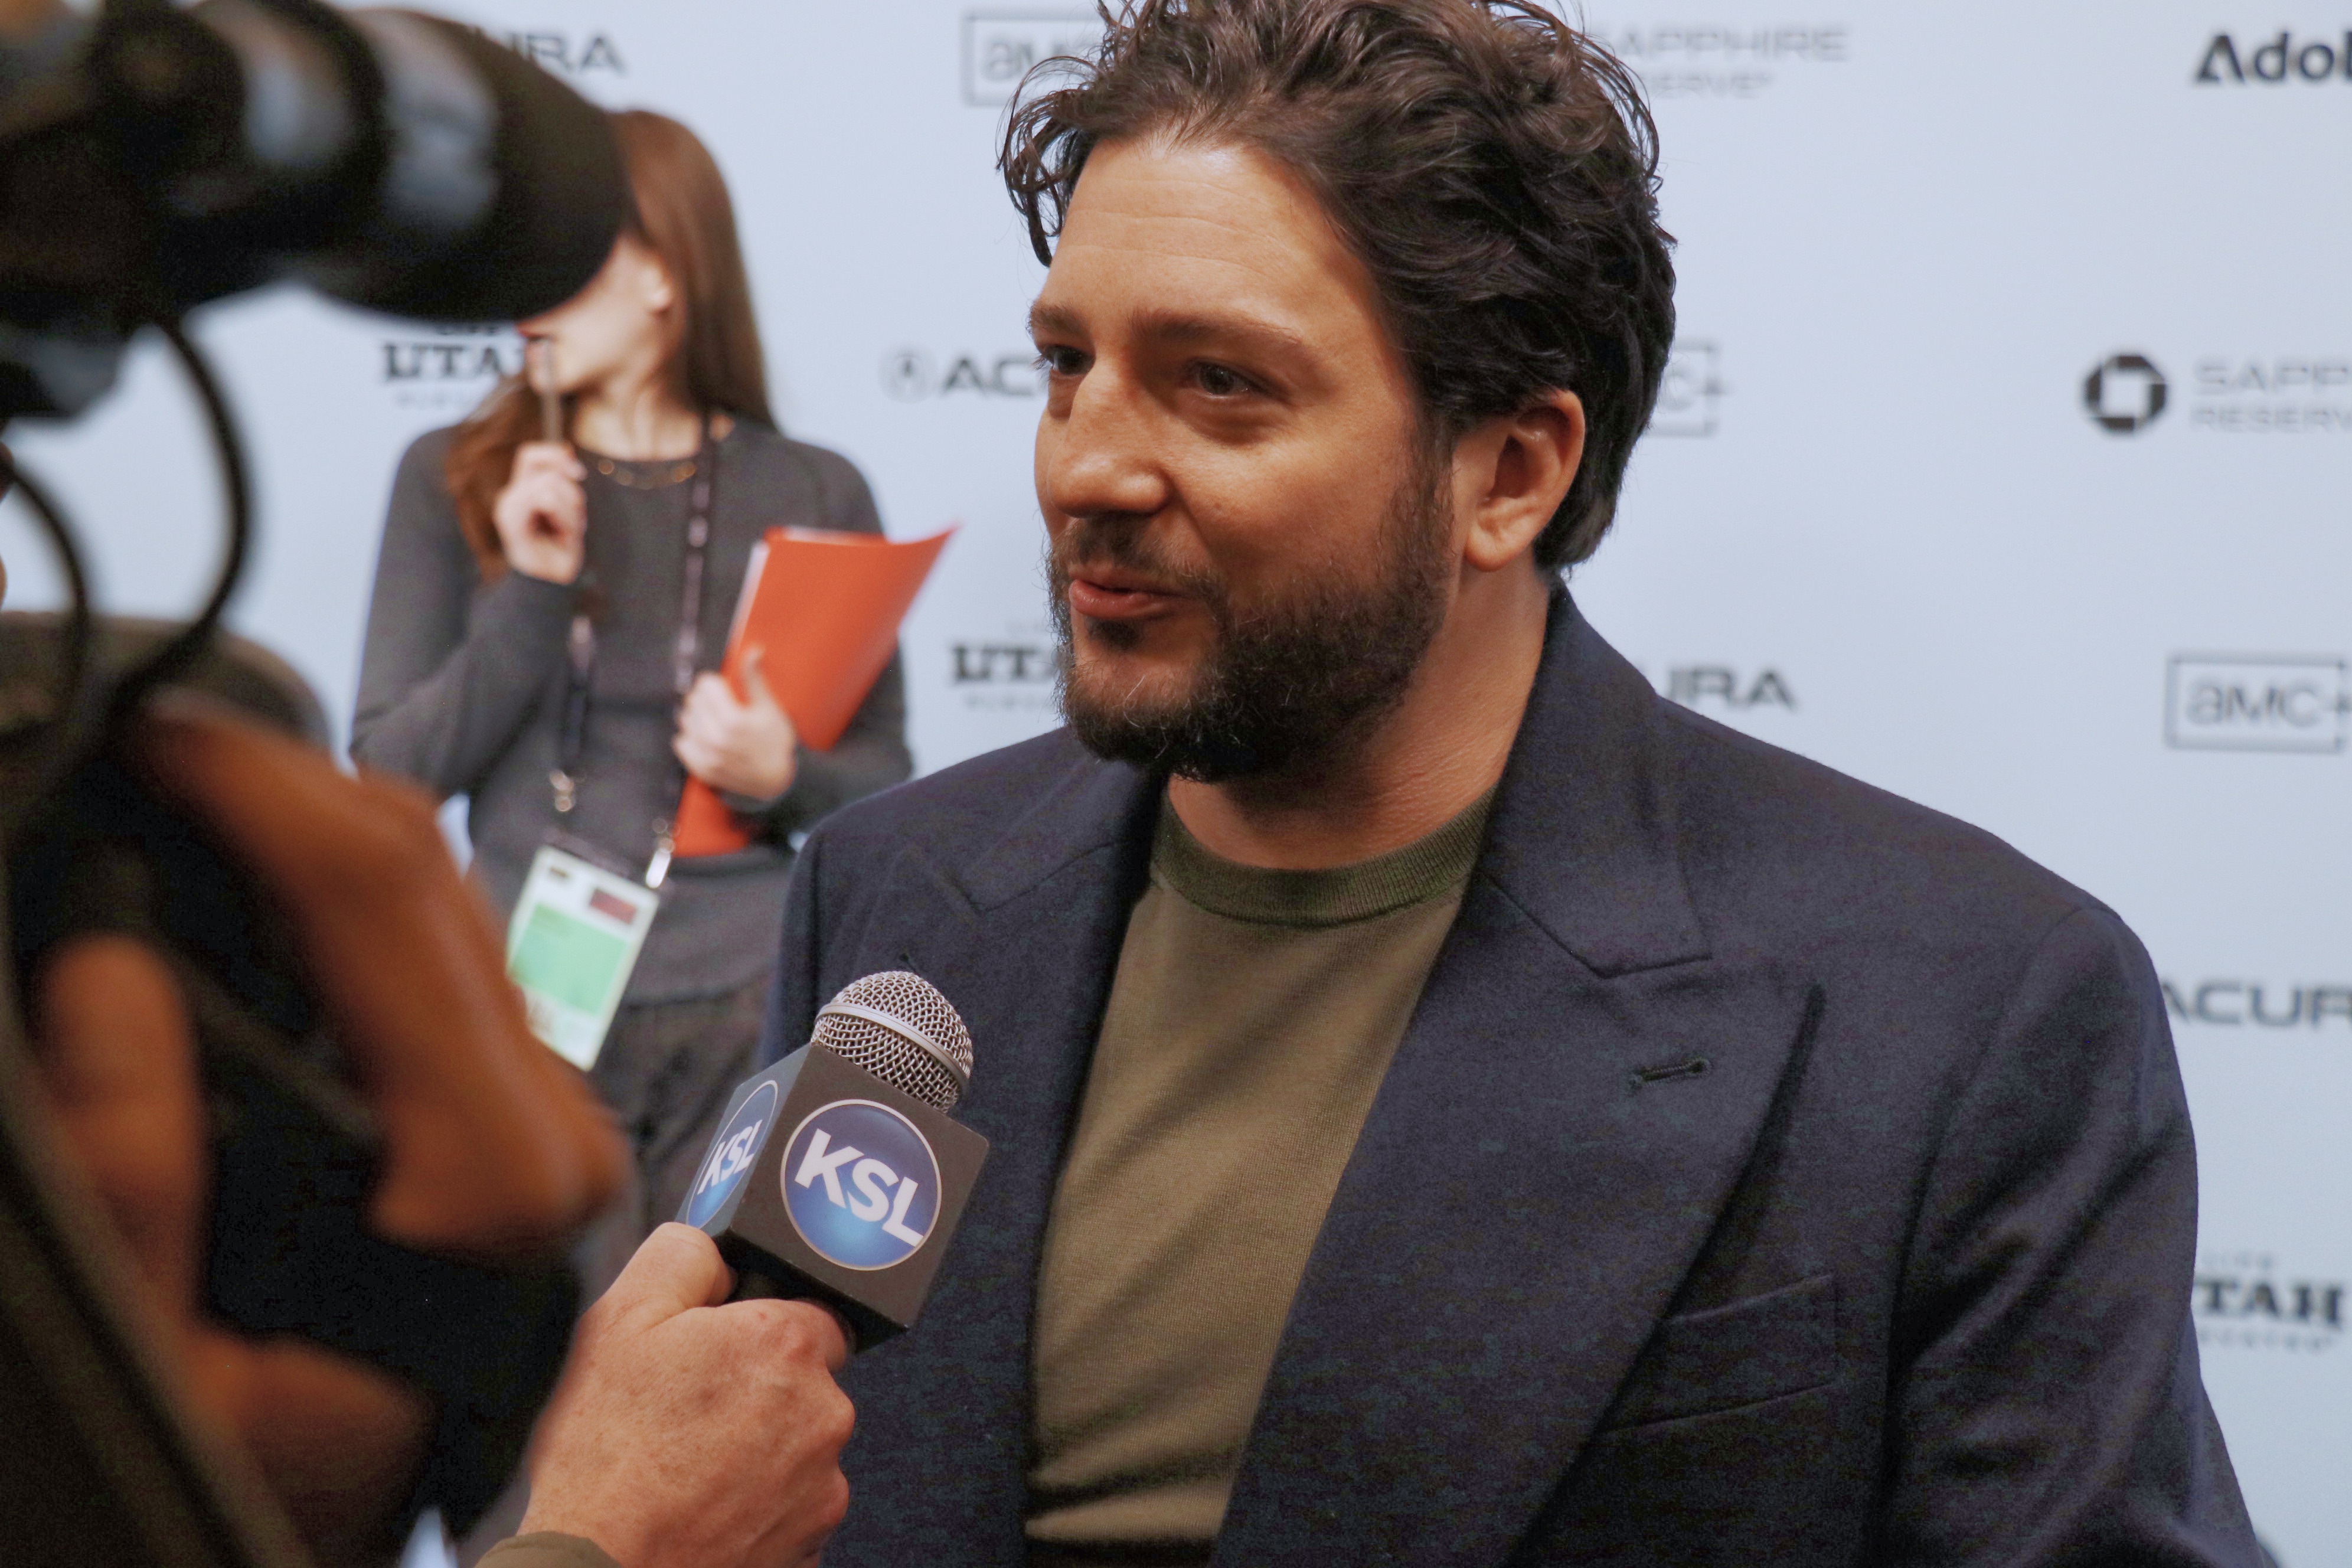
(1218, 381)
(1061, 360)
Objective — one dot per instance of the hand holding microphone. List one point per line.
(698, 1426)
(693, 1432)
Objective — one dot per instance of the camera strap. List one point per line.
(686, 655)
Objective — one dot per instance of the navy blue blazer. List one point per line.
(1773, 1170)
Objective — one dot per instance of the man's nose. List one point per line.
(1102, 455)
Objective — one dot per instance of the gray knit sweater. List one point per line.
(461, 688)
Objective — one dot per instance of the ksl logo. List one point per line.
(861, 1184)
(732, 1154)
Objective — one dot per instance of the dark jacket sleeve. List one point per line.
(2048, 1407)
(871, 753)
(452, 667)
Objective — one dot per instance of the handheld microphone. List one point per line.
(837, 1173)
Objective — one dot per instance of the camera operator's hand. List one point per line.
(491, 1147)
(541, 516)
(692, 1434)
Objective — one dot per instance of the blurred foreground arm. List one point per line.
(686, 1432)
(491, 1148)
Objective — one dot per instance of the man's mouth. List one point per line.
(1110, 593)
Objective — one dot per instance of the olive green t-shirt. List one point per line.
(1251, 1019)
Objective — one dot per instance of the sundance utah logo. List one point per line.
(2246, 1301)
(1012, 672)
(446, 368)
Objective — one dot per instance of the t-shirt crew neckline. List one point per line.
(1428, 867)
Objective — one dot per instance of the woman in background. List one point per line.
(522, 580)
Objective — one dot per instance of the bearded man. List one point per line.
(1450, 1106)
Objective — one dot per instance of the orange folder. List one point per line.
(824, 608)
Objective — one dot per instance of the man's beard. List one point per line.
(1286, 679)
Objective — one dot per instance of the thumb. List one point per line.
(755, 685)
(678, 1269)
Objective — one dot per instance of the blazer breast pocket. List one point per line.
(1783, 1341)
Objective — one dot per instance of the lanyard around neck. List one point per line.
(686, 654)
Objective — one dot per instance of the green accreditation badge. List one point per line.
(575, 935)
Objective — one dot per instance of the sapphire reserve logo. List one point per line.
(732, 1154)
(861, 1184)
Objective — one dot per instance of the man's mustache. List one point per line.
(1124, 539)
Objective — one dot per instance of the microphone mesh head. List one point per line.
(897, 1026)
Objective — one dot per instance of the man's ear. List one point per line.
(1511, 473)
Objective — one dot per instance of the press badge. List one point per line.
(574, 938)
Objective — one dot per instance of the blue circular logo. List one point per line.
(732, 1154)
(861, 1184)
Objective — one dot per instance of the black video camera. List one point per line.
(153, 158)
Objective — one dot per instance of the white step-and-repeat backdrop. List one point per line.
(2003, 462)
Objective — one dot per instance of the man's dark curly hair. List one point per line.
(1494, 170)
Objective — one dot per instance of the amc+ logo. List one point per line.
(861, 1184)
(2249, 702)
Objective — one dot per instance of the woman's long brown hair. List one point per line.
(683, 216)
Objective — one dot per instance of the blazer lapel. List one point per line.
(1023, 940)
(1523, 1203)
